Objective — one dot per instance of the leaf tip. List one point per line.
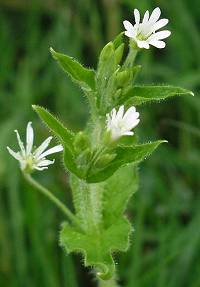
(53, 52)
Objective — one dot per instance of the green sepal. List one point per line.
(118, 40)
(124, 155)
(79, 74)
(119, 53)
(65, 135)
(142, 94)
(97, 248)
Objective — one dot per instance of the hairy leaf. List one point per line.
(97, 247)
(142, 94)
(118, 189)
(66, 136)
(81, 75)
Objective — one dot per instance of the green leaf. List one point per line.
(118, 189)
(70, 163)
(66, 136)
(81, 75)
(97, 248)
(124, 155)
(142, 94)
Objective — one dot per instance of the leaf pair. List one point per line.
(123, 154)
(99, 208)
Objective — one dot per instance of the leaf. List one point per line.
(66, 136)
(97, 248)
(70, 163)
(118, 189)
(81, 75)
(141, 94)
(125, 155)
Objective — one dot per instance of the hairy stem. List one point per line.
(54, 199)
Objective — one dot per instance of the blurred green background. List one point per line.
(165, 249)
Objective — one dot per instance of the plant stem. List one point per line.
(54, 199)
(131, 57)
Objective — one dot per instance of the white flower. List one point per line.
(120, 123)
(30, 159)
(144, 33)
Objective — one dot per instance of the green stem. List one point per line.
(54, 199)
(131, 57)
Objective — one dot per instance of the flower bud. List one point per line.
(81, 142)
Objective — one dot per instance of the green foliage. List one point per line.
(143, 94)
(97, 247)
(125, 179)
(101, 236)
(82, 76)
(66, 136)
(124, 155)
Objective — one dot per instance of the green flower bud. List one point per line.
(106, 53)
(119, 53)
(123, 78)
(105, 160)
(81, 142)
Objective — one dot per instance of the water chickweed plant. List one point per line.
(102, 160)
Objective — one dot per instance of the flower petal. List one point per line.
(158, 44)
(127, 25)
(42, 147)
(16, 155)
(155, 15)
(29, 138)
(146, 17)
(160, 35)
(54, 149)
(137, 16)
(120, 114)
(161, 23)
(143, 44)
(21, 145)
(45, 162)
(40, 168)
(130, 34)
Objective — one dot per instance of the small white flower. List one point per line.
(120, 123)
(30, 159)
(144, 33)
